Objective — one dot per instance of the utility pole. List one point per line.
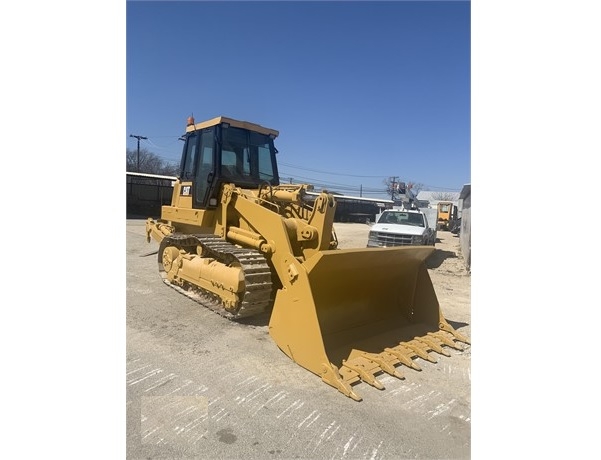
(392, 187)
(138, 137)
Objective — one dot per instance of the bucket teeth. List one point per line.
(461, 337)
(458, 336)
(384, 365)
(364, 375)
(332, 377)
(445, 339)
(428, 341)
(404, 355)
(364, 366)
(419, 350)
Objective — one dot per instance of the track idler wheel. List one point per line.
(170, 261)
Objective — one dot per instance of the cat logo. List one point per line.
(186, 190)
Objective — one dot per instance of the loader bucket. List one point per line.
(354, 313)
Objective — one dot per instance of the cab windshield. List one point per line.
(247, 157)
(401, 217)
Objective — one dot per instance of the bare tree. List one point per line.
(415, 187)
(444, 196)
(149, 162)
(395, 186)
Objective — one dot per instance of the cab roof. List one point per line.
(232, 122)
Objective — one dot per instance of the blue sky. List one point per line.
(359, 91)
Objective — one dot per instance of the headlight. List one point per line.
(372, 238)
(417, 240)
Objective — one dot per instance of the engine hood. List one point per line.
(398, 228)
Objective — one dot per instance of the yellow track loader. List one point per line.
(242, 244)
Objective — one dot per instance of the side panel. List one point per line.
(194, 217)
(182, 195)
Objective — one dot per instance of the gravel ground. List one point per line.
(200, 386)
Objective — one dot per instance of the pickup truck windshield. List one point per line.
(403, 218)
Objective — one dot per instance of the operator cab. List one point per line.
(224, 150)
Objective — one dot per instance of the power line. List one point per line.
(169, 146)
(332, 184)
(329, 172)
(313, 181)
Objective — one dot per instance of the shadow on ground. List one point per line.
(457, 324)
(438, 257)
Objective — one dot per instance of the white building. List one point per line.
(430, 197)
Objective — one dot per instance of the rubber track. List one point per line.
(258, 293)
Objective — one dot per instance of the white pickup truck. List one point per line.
(403, 227)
